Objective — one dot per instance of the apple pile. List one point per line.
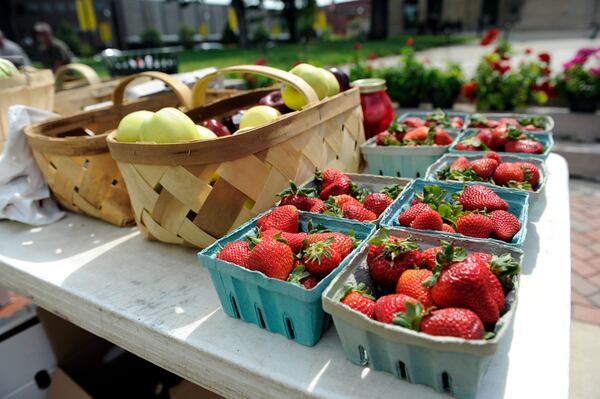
(535, 123)
(476, 211)
(441, 290)
(491, 169)
(279, 249)
(505, 138)
(339, 196)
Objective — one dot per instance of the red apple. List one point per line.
(274, 99)
(341, 76)
(216, 127)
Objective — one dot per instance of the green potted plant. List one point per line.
(579, 83)
(405, 81)
(443, 85)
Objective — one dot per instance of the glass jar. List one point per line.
(377, 107)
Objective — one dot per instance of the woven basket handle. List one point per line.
(179, 88)
(88, 73)
(199, 90)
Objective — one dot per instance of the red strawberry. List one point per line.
(505, 225)
(299, 197)
(447, 228)
(283, 218)
(493, 155)
(484, 167)
(359, 213)
(532, 173)
(485, 136)
(411, 283)
(461, 163)
(493, 284)
(479, 257)
(388, 257)
(413, 122)
(524, 146)
(471, 144)
(273, 258)
(467, 285)
(507, 172)
(387, 306)
(429, 220)
(456, 122)
(407, 217)
(344, 199)
(475, 225)
(509, 121)
(360, 302)
(317, 205)
(386, 138)
(429, 257)
(330, 175)
(338, 187)
(300, 276)
(377, 202)
(453, 322)
(341, 242)
(499, 137)
(441, 137)
(294, 240)
(321, 257)
(478, 197)
(418, 134)
(236, 252)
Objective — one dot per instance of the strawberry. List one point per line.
(441, 137)
(413, 122)
(358, 212)
(461, 163)
(505, 225)
(525, 146)
(493, 155)
(377, 202)
(485, 136)
(471, 144)
(341, 242)
(499, 137)
(479, 257)
(273, 258)
(467, 285)
(301, 277)
(478, 197)
(329, 175)
(428, 220)
(509, 121)
(484, 167)
(508, 172)
(387, 306)
(321, 257)
(297, 197)
(456, 122)
(338, 187)
(409, 215)
(418, 134)
(344, 199)
(386, 138)
(294, 240)
(411, 283)
(284, 218)
(532, 173)
(493, 284)
(316, 205)
(360, 299)
(429, 255)
(453, 322)
(447, 228)
(475, 225)
(236, 252)
(389, 256)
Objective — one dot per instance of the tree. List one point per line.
(291, 15)
(379, 19)
(240, 11)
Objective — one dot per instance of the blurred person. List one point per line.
(54, 52)
(8, 48)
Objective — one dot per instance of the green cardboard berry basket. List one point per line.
(271, 304)
(449, 365)
(548, 120)
(448, 159)
(518, 205)
(545, 138)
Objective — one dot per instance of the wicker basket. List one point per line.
(32, 87)
(76, 162)
(192, 193)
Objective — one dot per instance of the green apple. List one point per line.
(7, 68)
(311, 75)
(205, 134)
(258, 116)
(333, 87)
(130, 127)
(169, 125)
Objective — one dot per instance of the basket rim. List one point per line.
(235, 146)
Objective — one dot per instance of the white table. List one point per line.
(155, 301)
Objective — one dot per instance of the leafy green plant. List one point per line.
(67, 34)
(405, 82)
(580, 83)
(151, 38)
(443, 85)
(261, 35)
(186, 36)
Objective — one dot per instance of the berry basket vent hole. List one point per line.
(446, 382)
(261, 319)
(234, 306)
(289, 328)
(402, 371)
(364, 357)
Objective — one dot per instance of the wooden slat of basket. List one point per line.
(184, 185)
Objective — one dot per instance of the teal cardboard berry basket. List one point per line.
(449, 365)
(448, 159)
(275, 305)
(548, 120)
(518, 205)
(424, 114)
(545, 139)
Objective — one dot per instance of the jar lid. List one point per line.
(369, 85)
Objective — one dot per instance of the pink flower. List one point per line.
(527, 50)
(595, 71)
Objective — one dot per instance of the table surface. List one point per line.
(155, 301)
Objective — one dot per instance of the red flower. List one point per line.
(261, 61)
(527, 50)
(546, 71)
(372, 56)
(490, 36)
(410, 42)
(468, 90)
(544, 57)
(504, 57)
(357, 46)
